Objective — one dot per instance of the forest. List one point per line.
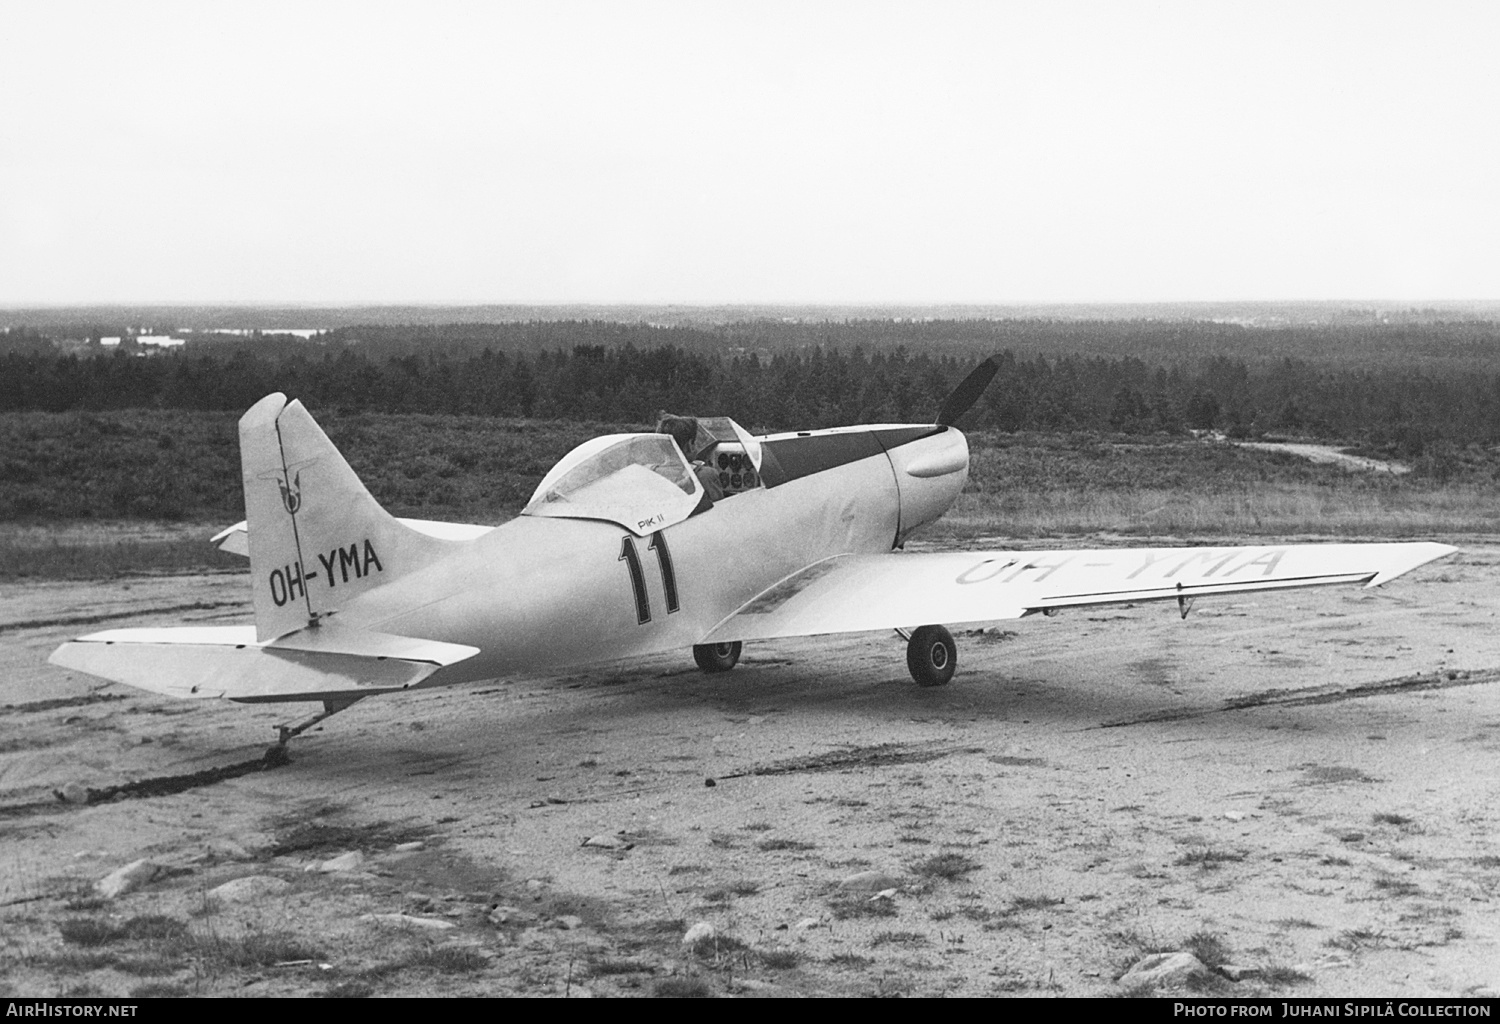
(1406, 388)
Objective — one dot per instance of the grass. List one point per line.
(89, 931)
(176, 465)
(1209, 984)
(1020, 903)
(1354, 939)
(110, 551)
(147, 945)
(849, 961)
(99, 931)
(155, 945)
(1210, 949)
(775, 845)
(140, 492)
(946, 866)
(1282, 976)
(254, 949)
(717, 946)
(325, 838)
(442, 959)
(75, 961)
(780, 959)
(1209, 858)
(607, 966)
(150, 965)
(1041, 485)
(899, 939)
(724, 894)
(1295, 922)
(1003, 922)
(682, 988)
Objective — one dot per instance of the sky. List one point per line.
(709, 153)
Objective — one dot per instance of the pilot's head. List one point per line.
(683, 430)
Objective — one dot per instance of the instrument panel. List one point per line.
(736, 472)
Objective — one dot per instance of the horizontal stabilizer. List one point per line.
(235, 540)
(321, 663)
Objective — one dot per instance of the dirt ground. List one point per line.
(1301, 786)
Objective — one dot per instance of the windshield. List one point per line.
(655, 452)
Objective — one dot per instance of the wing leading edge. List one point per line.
(851, 593)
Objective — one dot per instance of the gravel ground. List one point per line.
(1299, 787)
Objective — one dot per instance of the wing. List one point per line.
(861, 592)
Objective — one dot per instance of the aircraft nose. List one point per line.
(930, 473)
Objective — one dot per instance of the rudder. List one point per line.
(317, 537)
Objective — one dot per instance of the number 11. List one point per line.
(632, 561)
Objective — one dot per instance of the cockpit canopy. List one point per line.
(641, 481)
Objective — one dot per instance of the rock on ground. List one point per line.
(1163, 970)
(700, 932)
(127, 879)
(344, 862)
(249, 888)
(870, 881)
(407, 921)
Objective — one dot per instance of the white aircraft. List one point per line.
(621, 553)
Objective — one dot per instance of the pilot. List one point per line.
(683, 430)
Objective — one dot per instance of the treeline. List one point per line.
(1401, 408)
(1354, 340)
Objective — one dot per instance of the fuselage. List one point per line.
(541, 593)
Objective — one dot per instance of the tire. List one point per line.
(717, 657)
(931, 655)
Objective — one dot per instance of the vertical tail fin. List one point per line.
(317, 537)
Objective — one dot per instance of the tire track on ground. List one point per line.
(134, 613)
(1442, 680)
(159, 785)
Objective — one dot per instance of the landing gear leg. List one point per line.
(931, 655)
(330, 707)
(717, 657)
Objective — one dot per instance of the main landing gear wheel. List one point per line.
(717, 657)
(931, 655)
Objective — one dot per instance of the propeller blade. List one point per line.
(968, 392)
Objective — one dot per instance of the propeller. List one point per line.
(968, 391)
